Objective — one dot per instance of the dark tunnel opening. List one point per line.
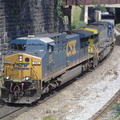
(117, 15)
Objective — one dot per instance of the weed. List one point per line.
(78, 24)
(58, 8)
(117, 108)
(49, 119)
(116, 116)
(117, 25)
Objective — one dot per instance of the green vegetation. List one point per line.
(49, 119)
(117, 108)
(116, 116)
(117, 25)
(77, 16)
(99, 6)
(58, 9)
(77, 24)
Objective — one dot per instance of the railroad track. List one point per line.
(104, 109)
(10, 112)
(2, 105)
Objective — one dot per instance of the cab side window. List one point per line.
(50, 48)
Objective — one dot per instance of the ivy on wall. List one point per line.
(99, 6)
(58, 9)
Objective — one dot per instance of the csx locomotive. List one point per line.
(34, 65)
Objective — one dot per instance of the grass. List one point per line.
(117, 108)
(117, 25)
(116, 116)
(49, 119)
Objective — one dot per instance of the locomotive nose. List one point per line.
(22, 67)
(17, 66)
(22, 76)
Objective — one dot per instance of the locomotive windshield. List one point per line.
(19, 47)
(35, 47)
(27, 45)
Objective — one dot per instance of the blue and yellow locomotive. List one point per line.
(36, 64)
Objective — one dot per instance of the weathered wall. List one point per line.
(2, 30)
(22, 17)
(25, 17)
(89, 2)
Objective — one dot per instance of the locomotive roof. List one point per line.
(91, 29)
(50, 35)
(99, 25)
(29, 40)
(85, 31)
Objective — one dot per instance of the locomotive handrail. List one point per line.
(34, 73)
(97, 52)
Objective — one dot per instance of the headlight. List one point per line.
(8, 62)
(27, 78)
(20, 58)
(7, 77)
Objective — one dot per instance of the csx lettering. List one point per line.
(71, 48)
(21, 66)
(50, 58)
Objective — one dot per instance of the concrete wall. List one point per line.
(110, 8)
(22, 17)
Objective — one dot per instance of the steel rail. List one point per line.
(107, 106)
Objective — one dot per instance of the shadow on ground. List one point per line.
(117, 41)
